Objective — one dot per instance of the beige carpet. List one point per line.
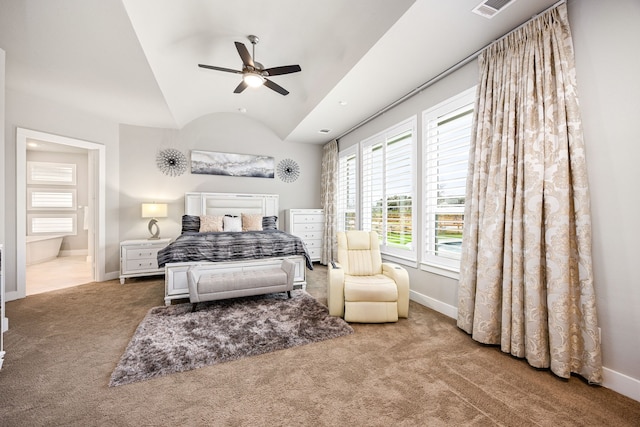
(63, 346)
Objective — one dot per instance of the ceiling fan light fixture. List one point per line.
(253, 80)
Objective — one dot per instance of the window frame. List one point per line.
(385, 137)
(441, 265)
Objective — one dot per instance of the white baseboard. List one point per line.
(620, 383)
(434, 304)
(11, 296)
(73, 252)
(112, 275)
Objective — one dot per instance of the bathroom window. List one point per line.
(51, 173)
(49, 199)
(51, 194)
(41, 224)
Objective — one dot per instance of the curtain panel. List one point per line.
(329, 194)
(526, 280)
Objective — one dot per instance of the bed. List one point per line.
(229, 251)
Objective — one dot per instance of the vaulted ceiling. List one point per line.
(135, 61)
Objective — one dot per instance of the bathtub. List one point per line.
(43, 248)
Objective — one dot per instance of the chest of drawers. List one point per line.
(308, 224)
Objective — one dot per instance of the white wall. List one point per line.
(31, 112)
(141, 180)
(2, 144)
(605, 37)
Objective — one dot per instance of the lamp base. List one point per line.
(154, 229)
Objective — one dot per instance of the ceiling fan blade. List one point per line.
(244, 54)
(287, 69)
(271, 85)
(242, 86)
(228, 70)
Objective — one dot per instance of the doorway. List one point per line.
(82, 266)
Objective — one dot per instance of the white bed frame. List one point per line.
(175, 279)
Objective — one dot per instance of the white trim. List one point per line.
(439, 264)
(97, 179)
(613, 380)
(440, 270)
(621, 383)
(434, 304)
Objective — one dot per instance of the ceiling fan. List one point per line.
(253, 73)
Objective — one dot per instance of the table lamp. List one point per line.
(154, 211)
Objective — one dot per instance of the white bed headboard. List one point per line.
(230, 204)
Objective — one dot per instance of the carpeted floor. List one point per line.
(175, 339)
(62, 347)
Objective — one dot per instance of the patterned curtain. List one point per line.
(526, 279)
(329, 194)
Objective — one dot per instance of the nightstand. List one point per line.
(140, 258)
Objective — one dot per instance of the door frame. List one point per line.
(97, 184)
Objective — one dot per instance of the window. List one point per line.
(51, 173)
(40, 224)
(388, 188)
(45, 199)
(55, 192)
(446, 138)
(347, 189)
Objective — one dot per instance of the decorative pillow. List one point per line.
(232, 223)
(270, 222)
(190, 223)
(251, 222)
(210, 223)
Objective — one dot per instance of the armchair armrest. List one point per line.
(401, 277)
(335, 289)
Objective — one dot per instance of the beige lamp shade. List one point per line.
(153, 211)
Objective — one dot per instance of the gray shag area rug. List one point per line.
(173, 339)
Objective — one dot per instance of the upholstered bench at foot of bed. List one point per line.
(210, 286)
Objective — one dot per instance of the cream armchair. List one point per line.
(361, 287)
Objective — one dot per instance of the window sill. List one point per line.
(441, 270)
(400, 260)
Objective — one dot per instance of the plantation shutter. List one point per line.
(446, 153)
(347, 190)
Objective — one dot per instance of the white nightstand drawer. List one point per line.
(141, 253)
(142, 264)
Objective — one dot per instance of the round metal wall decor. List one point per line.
(288, 170)
(171, 162)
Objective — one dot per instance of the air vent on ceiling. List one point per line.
(490, 8)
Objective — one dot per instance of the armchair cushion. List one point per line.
(370, 288)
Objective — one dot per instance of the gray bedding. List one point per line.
(230, 246)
